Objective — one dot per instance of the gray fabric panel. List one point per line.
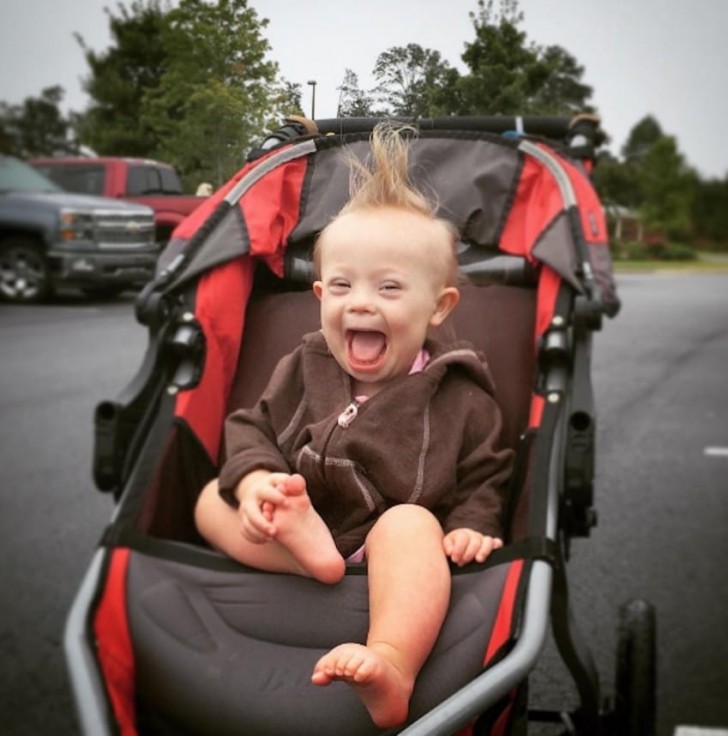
(472, 181)
(604, 276)
(232, 653)
(227, 241)
(556, 249)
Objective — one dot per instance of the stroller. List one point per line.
(166, 636)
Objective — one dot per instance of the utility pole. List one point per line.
(312, 82)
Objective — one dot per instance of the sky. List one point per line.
(667, 58)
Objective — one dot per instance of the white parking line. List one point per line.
(716, 451)
(698, 731)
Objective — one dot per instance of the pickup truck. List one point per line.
(51, 238)
(148, 182)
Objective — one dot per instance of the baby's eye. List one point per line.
(390, 286)
(338, 286)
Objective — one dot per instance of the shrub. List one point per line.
(675, 252)
(656, 250)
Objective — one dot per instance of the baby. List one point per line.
(372, 442)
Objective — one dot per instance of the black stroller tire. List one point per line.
(636, 672)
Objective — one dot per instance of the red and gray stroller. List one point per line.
(168, 637)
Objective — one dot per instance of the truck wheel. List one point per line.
(24, 277)
(636, 673)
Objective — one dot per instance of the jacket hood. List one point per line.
(461, 356)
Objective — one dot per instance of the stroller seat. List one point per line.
(196, 632)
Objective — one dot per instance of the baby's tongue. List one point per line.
(366, 347)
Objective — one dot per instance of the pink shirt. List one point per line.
(420, 361)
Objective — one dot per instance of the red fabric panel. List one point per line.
(591, 212)
(271, 210)
(222, 321)
(114, 651)
(191, 224)
(536, 204)
(504, 619)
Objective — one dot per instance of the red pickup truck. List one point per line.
(152, 183)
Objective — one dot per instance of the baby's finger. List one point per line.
(251, 533)
(488, 544)
(472, 549)
(254, 521)
(459, 544)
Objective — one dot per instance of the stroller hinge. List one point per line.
(187, 349)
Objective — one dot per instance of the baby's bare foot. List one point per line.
(384, 690)
(303, 532)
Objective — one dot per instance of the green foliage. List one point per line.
(37, 127)
(710, 213)
(655, 181)
(353, 101)
(410, 79)
(121, 76)
(641, 139)
(653, 251)
(667, 189)
(190, 85)
(509, 75)
(616, 181)
(217, 92)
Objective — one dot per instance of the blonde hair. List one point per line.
(386, 183)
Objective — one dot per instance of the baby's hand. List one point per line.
(465, 545)
(260, 493)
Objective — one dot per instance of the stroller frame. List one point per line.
(562, 497)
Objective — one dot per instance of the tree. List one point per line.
(710, 211)
(353, 101)
(562, 92)
(410, 79)
(218, 90)
(667, 185)
(640, 140)
(120, 78)
(189, 85)
(37, 127)
(617, 182)
(509, 75)
(653, 180)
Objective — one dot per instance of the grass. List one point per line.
(705, 263)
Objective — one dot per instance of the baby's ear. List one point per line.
(318, 289)
(446, 302)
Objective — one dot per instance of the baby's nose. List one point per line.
(360, 300)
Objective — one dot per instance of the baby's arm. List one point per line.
(466, 545)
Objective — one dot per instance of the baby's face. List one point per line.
(381, 288)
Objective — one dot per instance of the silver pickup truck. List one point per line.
(51, 238)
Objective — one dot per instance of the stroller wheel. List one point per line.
(636, 673)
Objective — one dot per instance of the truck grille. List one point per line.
(115, 230)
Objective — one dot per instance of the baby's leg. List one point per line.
(304, 534)
(302, 545)
(409, 592)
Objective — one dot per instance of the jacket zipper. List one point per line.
(348, 415)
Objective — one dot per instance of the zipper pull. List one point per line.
(348, 415)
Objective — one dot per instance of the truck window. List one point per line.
(143, 180)
(171, 183)
(82, 178)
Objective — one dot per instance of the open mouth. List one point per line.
(365, 349)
